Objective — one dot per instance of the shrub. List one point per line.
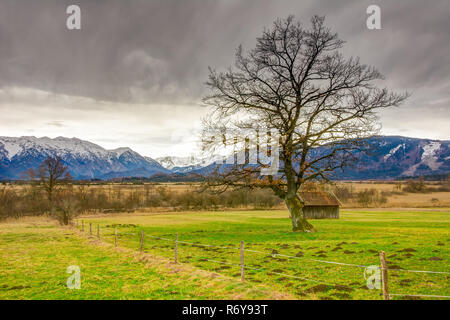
(71, 200)
(415, 186)
(371, 197)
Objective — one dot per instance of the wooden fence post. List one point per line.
(142, 241)
(90, 228)
(384, 276)
(98, 231)
(242, 261)
(176, 248)
(115, 236)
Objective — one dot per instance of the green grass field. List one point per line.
(34, 258)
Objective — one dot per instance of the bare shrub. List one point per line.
(343, 193)
(414, 186)
(66, 210)
(371, 197)
(434, 201)
(8, 203)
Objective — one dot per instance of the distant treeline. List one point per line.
(432, 177)
(30, 198)
(190, 177)
(156, 178)
(72, 199)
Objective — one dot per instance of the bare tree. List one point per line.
(29, 175)
(51, 173)
(323, 106)
(67, 208)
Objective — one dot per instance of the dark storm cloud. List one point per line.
(158, 51)
(151, 50)
(126, 50)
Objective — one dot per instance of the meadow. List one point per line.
(35, 253)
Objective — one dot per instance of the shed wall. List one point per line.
(321, 212)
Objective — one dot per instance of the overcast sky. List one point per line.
(134, 74)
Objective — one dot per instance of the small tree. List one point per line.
(51, 173)
(67, 207)
(323, 107)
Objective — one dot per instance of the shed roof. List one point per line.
(318, 198)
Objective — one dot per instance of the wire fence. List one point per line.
(243, 266)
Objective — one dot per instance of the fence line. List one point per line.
(308, 259)
(158, 238)
(234, 264)
(268, 271)
(208, 245)
(418, 295)
(291, 257)
(345, 264)
(176, 241)
(220, 262)
(418, 271)
(290, 276)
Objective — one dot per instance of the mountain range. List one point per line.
(84, 159)
(183, 164)
(393, 157)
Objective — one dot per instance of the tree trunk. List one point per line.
(299, 223)
(65, 218)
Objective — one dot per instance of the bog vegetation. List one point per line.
(72, 198)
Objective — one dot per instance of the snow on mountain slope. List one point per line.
(183, 164)
(393, 151)
(84, 159)
(391, 157)
(120, 151)
(429, 155)
(429, 158)
(11, 149)
(60, 145)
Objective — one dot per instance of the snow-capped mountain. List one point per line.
(183, 164)
(391, 157)
(394, 156)
(84, 159)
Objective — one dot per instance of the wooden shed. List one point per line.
(319, 205)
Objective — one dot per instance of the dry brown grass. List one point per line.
(401, 199)
(404, 200)
(396, 198)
